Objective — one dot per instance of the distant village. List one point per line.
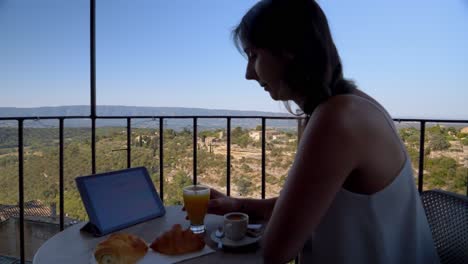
(42, 221)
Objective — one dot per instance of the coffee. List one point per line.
(235, 225)
(235, 217)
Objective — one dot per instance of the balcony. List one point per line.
(43, 172)
(41, 155)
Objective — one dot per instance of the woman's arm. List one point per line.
(326, 156)
(258, 210)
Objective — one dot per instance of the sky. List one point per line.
(412, 56)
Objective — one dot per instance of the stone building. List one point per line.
(40, 223)
(270, 134)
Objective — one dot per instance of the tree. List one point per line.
(174, 191)
(452, 130)
(413, 140)
(461, 135)
(441, 171)
(439, 142)
(270, 179)
(465, 141)
(246, 168)
(243, 141)
(437, 129)
(244, 186)
(461, 179)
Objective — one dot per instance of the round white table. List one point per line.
(74, 247)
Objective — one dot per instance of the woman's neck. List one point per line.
(301, 102)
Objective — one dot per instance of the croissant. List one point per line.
(120, 248)
(177, 241)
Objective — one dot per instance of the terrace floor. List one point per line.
(11, 260)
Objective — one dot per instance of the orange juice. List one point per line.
(196, 201)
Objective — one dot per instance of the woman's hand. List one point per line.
(221, 204)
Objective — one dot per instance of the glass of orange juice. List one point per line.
(196, 199)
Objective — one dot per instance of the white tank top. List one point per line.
(389, 226)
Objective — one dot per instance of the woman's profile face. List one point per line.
(268, 70)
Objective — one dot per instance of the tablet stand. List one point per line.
(91, 229)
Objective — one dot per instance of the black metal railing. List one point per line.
(422, 138)
(20, 125)
(61, 119)
(93, 116)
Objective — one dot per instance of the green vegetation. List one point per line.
(465, 141)
(443, 157)
(241, 137)
(443, 160)
(41, 161)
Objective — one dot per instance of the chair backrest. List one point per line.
(447, 214)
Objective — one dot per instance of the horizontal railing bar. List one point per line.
(147, 117)
(430, 120)
(43, 117)
(214, 117)
(201, 117)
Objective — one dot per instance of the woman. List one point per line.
(350, 196)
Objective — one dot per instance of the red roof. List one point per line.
(31, 208)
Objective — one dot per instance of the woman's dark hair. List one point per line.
(300, 28)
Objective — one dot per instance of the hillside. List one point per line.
(446, 160)
(176, 124)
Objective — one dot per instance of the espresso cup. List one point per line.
(235, 225)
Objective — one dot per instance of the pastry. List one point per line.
(120, 248)
(177, 241)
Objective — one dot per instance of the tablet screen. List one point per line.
(118, 199)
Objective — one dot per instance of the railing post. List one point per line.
(228, 157)
(129, 141)
(93, 145)
(194, 151)
(21, 185)
(422, 134)
(263, 157)
(92, 53)
(161, 159)
(61, 164)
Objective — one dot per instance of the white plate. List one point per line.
(247, 240)
(153, 257)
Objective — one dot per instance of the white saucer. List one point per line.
(152, 257)
(247, 240)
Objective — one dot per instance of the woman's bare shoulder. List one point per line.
(350, 111)
(349, 118)
(364, 126)
(332, 128)
(339, 112)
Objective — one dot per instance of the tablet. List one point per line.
(118, 199)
